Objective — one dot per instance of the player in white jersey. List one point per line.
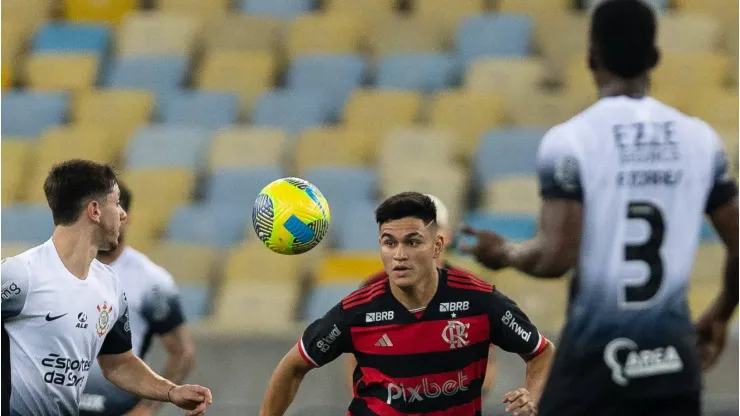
(154, 309)
(625, 187)
(62, 309)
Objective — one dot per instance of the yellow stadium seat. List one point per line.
(508, 76)
(245, 32)
(690, 72)
(546, 109)
(248, 73)
(13, 39)
(13, 249)
(433, 146)
(545, 300)
(255, 262)
(379, 111)
(187, 263)
(67, 142)
(370, 12)
(710, 257)
(123, 111)
(7, 75)
(718, 107)
(406, 34)
(154, 33)
(687, 32)
(259, 307)
(724, 11)
(516, 195)
(348, 267)
(447, 13)
(248, 146)
(66, 72)
(324, 33)
(17, 159)
(572, 39)
(106, 11)
(349, 147)
(468, 114)
(28, 14)
(543, 12)
(202, 10)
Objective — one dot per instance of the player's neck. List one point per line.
(108, 257)
(418, 295)
(76, 248)
(616, 87)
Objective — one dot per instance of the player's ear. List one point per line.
(439, 244)
(94, 210)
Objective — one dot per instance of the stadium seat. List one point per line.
(278, 8)
(708, 256)
(6, 74)
(343, 186)
(240, 187)
(198, 9)
(404, 34)
(61, 72)
(255, 262)
(256, 69)
(512, 194)
(718, 107)
(30, 113)
(337, 75)
(448, 15)
(687, 32)
(12, 249)
(694, 71)
(323, 33)
(17, 158)
(508, 152)
(354, 227)
(154, 33)
(272, 306)
(494, 35)
(167, 146)
(242, 32)
(512, 227)
(195, 300)
(468, 114)
(160, 74)
(320, 300)
(123, 111)
(29, 14)
(215, 225)
(71, 38)
(14, 38)
(542, 12)
(508, 76)
(111, 12)
(188, 263)
(571, 39)
(377, 111)
(348, 267)
(331, 147)
(209, 110)
(422, 72)
(433, 146)
(246, 147)
(545, 108)
(370, 13)
(27, 223)
(293, 110)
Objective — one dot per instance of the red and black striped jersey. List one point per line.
(433, 363)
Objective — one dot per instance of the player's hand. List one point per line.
(521, 402)
(194, 399)
(489, 249)
(711, 334)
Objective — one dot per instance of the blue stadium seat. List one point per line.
(167, 146)
(494, 35)
(240, 187)
(160, 74)
(324, 297)
(211, 110)
(195, 301)
(343, 186)
(204, 224)
(278, 8)
(27, 223)
(335, 74)
(513, 227)
(423, 72)
(354, 227)
(508, 152)
(67, 37)
(294, 110)
(28, 114)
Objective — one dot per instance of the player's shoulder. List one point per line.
(467, 285)
(365, 298)
(30, 263)
(377, 277)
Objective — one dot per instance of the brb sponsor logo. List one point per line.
(10, 289)
(65, 371)
(640, 363)
(509, 320)
(325, 343)
(454, 306)
(379, 316)
(426, 390)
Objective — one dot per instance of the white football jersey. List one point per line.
(54, 326)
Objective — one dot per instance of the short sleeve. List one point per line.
(722, 187)
(15, 285)
(511, 329)
(162, 309)
(558, 167)
(326, 339)
(118, 339)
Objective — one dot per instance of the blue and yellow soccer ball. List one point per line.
(291, 216)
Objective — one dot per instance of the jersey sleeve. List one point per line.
(511, 329)
(326, 339)
(723, 187)
(162, 309)
(558, 167)
(15, 285)
(118, 339)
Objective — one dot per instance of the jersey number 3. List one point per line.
(647, 252)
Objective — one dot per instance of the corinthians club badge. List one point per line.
(102, 326)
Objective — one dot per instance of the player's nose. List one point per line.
(123, 214)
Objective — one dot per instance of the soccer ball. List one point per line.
(290, 216)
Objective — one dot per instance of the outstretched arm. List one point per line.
(284, 383)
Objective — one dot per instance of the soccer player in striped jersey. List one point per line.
(421, 337)
(626, 186)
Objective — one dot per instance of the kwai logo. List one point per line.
(426, 390)
(509, 320)
(325, 343)
(640, 364)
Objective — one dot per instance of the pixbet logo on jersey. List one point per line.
(640, 364)
(426, 390)
(66, 371)
(509, 320)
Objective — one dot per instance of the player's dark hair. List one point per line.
(404, 205)
(73, 183)
(623, 34)
(125, 198)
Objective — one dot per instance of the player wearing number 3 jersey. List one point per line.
(626, 184)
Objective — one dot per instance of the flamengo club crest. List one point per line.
(455, 334)
(102, 326)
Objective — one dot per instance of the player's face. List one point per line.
(111, 218)
(409, 250)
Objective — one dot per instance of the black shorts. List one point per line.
(682, 405)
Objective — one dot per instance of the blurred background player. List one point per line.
(154, 309)
(62, 308)
(626, 185)
(447, 231)
(421, 337)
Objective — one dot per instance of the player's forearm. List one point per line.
(177, 368)
(537, 258)
(281, 391)
(538, 369)
(728, 298)
(135, 377)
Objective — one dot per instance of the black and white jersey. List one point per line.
(54, 326)
(646, 174)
